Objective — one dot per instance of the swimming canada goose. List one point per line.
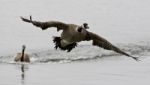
(72, 34)
(22, 57)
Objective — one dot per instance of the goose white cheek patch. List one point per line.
(77, 29)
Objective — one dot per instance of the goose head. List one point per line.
(23, 47)
(83, 26)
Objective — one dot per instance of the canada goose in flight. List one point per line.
(72, 34)
(22, 57)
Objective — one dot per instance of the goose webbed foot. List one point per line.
(69, 47)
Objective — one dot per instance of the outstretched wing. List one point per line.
(101, 42)
(45, 25)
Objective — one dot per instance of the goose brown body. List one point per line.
(22, 57)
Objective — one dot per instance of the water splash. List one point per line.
(82, 53)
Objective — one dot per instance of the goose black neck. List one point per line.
(22, 55)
